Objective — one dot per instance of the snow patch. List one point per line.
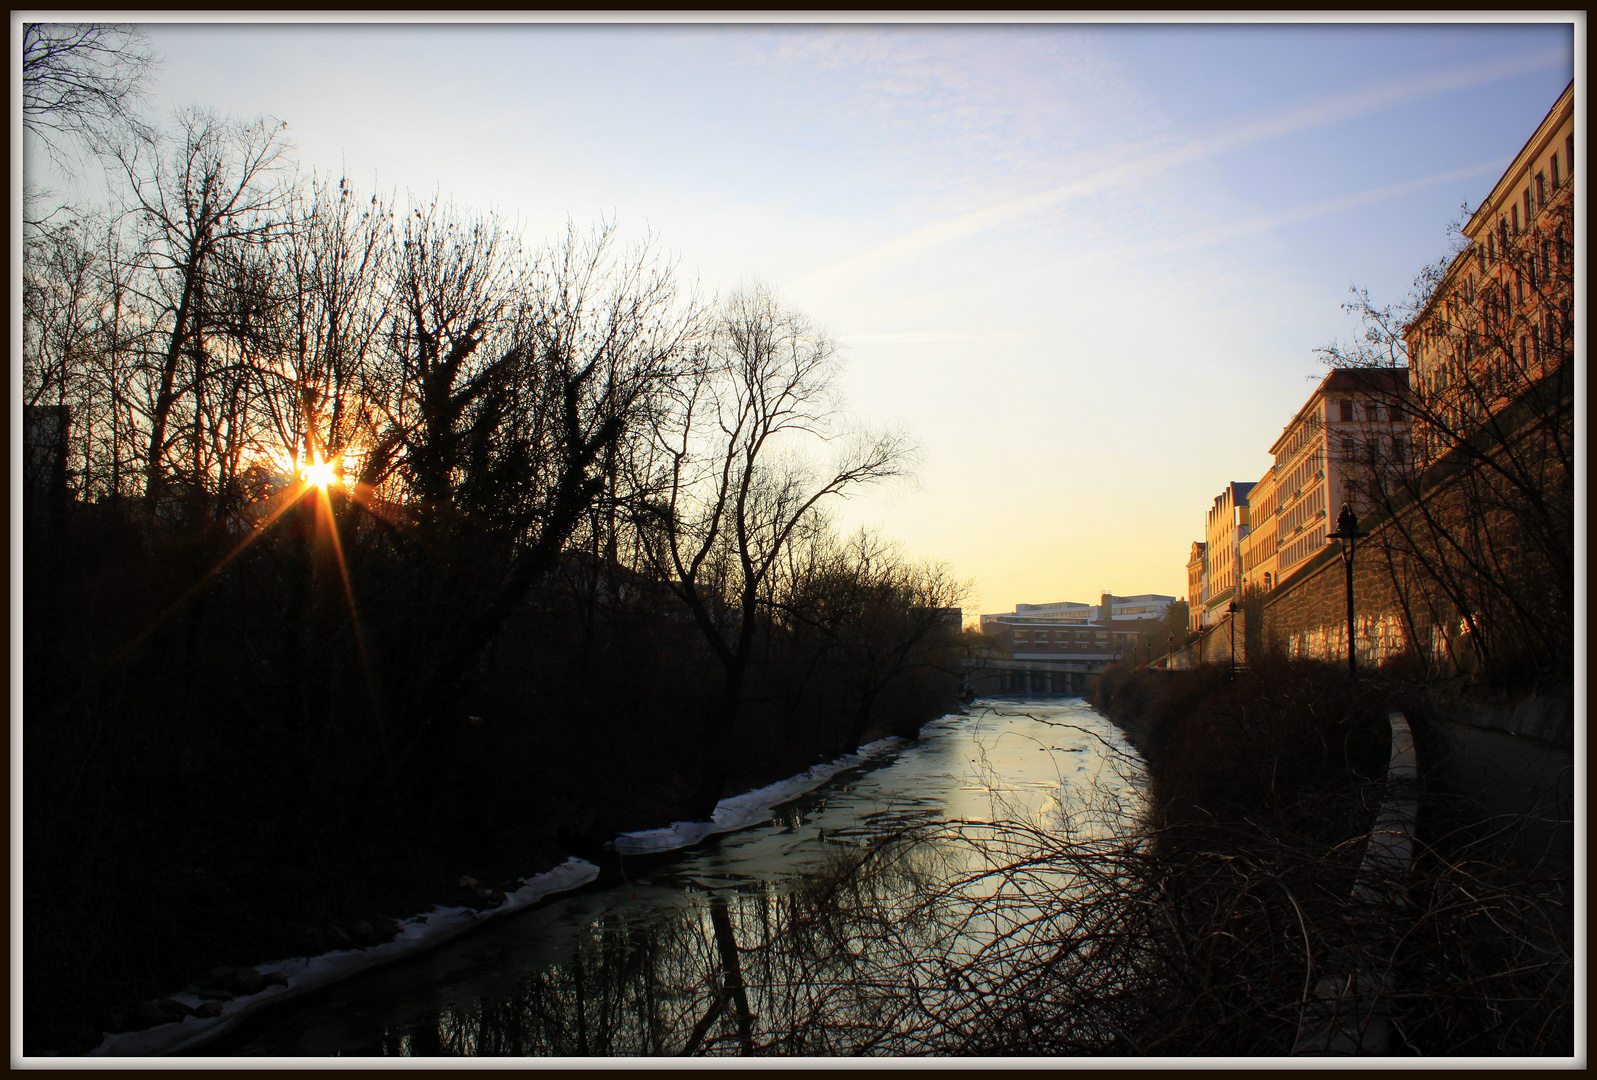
(425, 932)
(749, 808)
(416, 935)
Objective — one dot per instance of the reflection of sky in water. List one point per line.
(1048, 763)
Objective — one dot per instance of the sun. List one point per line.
(319, 474)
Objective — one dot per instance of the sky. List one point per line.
(1085, 266)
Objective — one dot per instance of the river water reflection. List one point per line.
(845, 925)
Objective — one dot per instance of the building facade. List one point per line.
(1328, 455)
(1197, 574)
(1261, 561)
(1142, 606)
(1469, 448)
(1227, 528)
(1502, 315)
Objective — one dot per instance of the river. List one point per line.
(872, 915)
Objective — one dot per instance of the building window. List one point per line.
(1553, 165)
(1519, 286)
(1344, 410)
(1569, 153)
(1514, 210)
(1527, 206)
(1480, 257)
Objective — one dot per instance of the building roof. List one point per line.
(1483, 214)
(1348, 381)
(1493, 203)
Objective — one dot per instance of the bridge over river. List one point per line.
(1008, 676)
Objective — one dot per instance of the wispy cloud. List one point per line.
(1279, 218)
(1158, 160)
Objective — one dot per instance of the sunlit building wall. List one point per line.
(1502, 314)
(1197, 574)
(1322, 451)
(1227, 527)
(1260, 555)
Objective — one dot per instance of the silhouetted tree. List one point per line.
(737, 490)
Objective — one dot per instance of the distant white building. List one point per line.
(1145, 606)
(1110, 608)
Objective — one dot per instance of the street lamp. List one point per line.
(1169, 649)
(1348, 535)
(1231, 610)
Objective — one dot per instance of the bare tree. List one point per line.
(205, 205)
(81, 84)
(336, 273)
(880, 616)
(737, 487)
(83, 81)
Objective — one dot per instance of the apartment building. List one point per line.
(1326, 457)
(1261, 563)
(1227, 528)
(1502, 315)
(1197, 572)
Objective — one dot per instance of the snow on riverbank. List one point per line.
(305, 974)
(425, 932)
(742, 811)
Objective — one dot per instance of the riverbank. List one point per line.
(224, 995)
(1264, 790)
(641, 966)
(1275, 741)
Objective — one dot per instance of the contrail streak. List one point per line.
(1319, 114)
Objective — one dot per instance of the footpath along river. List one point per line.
(751, 942)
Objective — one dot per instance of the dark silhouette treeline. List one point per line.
(364, 549)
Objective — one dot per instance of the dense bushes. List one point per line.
(1262, 790)
(1273, 741)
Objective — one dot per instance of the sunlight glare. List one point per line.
(319, 473)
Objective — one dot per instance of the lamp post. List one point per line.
(1169, 649)
(1231, 610)
(1348, 535)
